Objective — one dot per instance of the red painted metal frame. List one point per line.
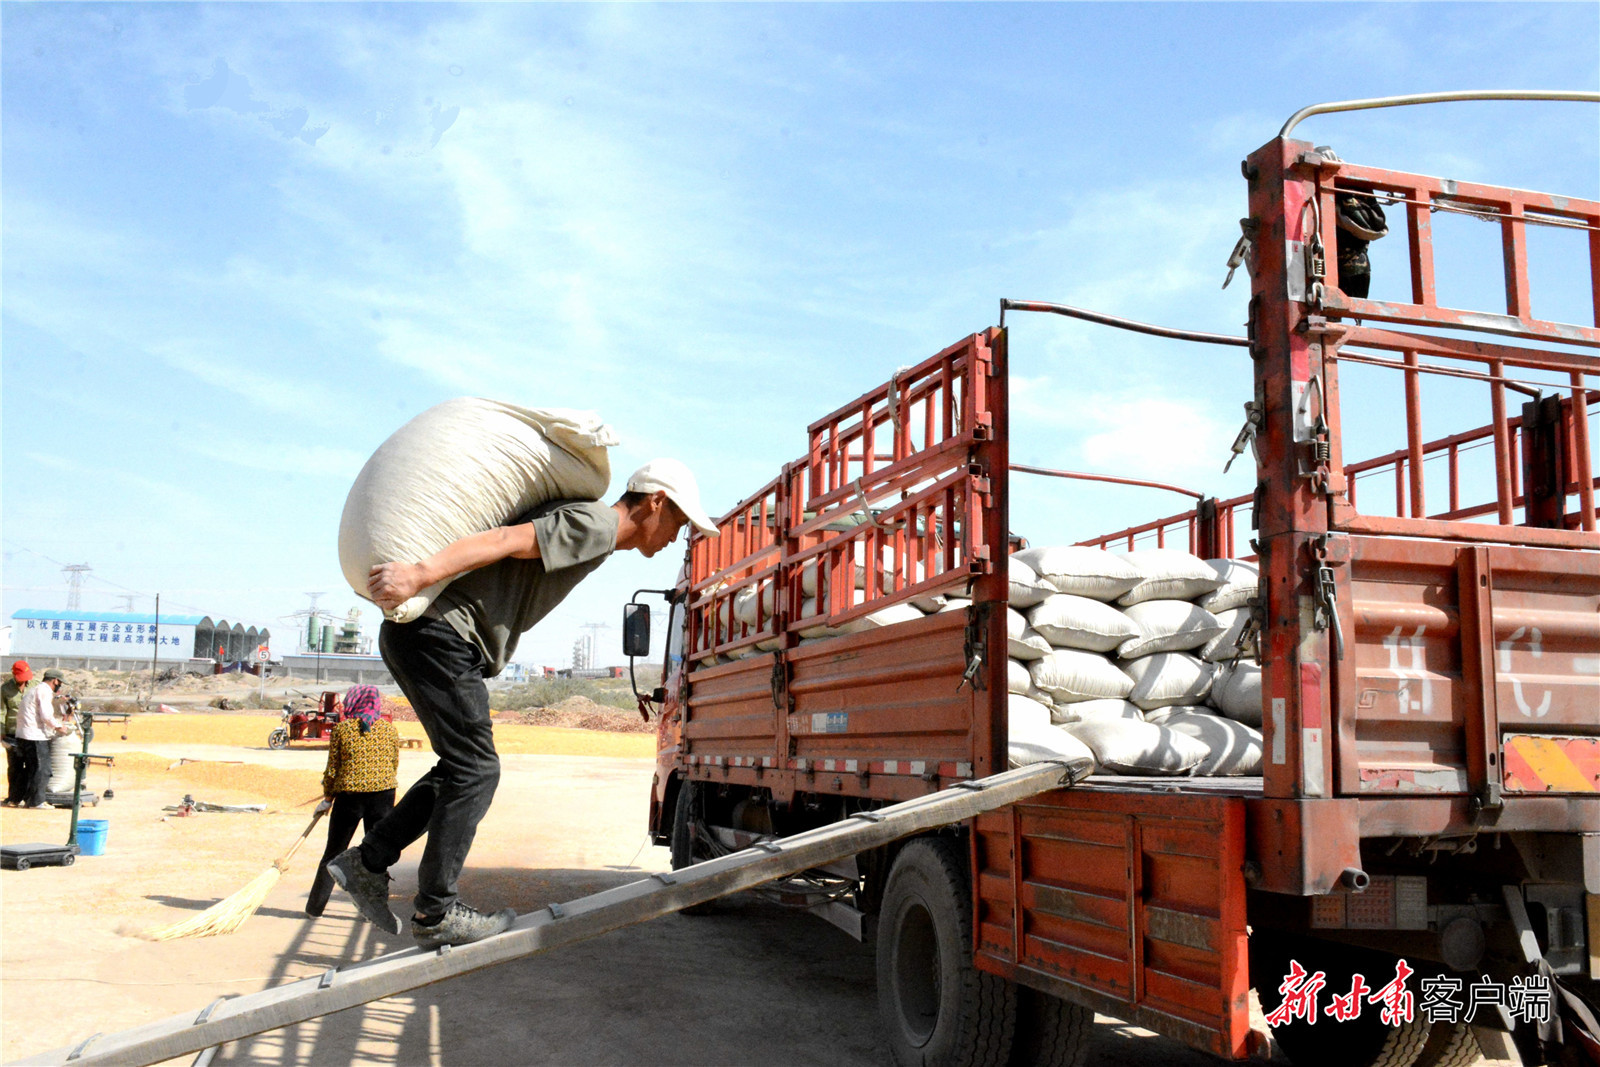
(1333, 726)
(1515, 209)
(895, 498)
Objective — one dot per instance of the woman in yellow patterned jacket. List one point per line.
(363, 756)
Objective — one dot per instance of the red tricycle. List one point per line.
(307, 723)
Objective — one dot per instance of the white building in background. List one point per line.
(104, 638)
(5, 641)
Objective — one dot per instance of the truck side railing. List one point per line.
(884, 506)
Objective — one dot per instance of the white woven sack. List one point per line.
(1168, 678)
(460, 468)
(1070, 621)
(746, 599)
(1124, 746)
(1168, 574)
(958, 603)
(882, 617)
(1069, 675)
(1239, 579)
(1092, 710)
(1235, 748)
(1027, 588)
(1168, 626)
(1237, 693)
(1227, 644)
(1021, 641)
(1019, 681)
(1031, 739)
(808, 608)
(1159, 716)
(1082, 571)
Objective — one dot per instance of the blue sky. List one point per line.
(244, 242)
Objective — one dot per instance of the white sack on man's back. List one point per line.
(460, 468)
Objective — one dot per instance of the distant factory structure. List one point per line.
(108, 640)
(337, 651)
(345, 640)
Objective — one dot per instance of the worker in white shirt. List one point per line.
(39, 723)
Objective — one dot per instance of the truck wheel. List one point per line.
(1450, 1045)
(1365, 1041)
(1051, 1032)
(687, 849)
(278, 738)
(937, 1009)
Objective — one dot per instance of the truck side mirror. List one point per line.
(636, 630)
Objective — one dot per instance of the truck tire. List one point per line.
(1450, 1045)
(1362, 1042)
(937, 1009)
(685, 846)
(1051, 1032)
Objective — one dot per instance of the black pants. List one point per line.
(35, 771)
(16, 779)
(368, 809)
(442, 675)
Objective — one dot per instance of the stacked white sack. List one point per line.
(754, 609)
(1156, 662)
(1032, 738)
(1066, 591)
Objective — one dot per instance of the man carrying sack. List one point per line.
(510, 578)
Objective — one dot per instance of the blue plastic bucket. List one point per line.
(92, 837)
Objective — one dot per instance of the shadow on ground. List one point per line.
(751, 984)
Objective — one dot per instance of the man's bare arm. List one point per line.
(392, 584)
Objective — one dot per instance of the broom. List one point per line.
(228, 914)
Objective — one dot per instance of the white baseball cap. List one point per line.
(673, 478)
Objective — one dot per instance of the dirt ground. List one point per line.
(751, 984)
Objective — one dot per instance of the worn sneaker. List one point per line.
(369, 889)
(462, 925)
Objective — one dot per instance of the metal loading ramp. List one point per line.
(660, 894)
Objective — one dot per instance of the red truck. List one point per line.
(1417, 866)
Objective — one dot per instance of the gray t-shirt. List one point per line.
(493, 606)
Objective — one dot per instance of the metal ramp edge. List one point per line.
(539, 931)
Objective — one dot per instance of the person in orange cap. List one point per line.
(11, 691)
